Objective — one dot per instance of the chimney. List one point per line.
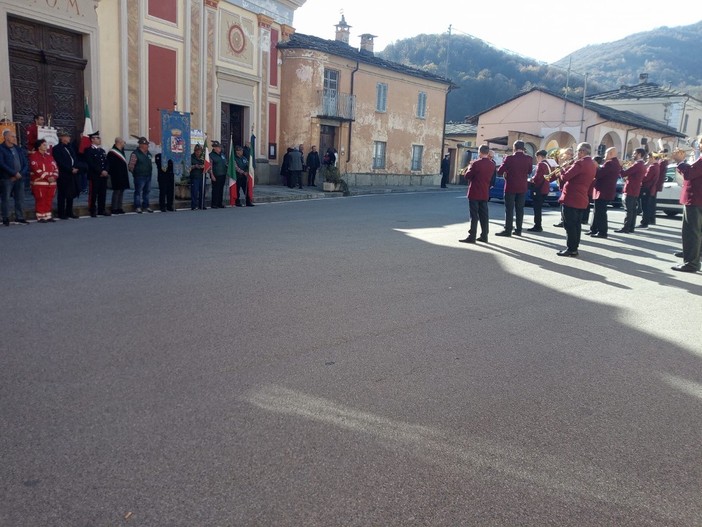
(643, 77)
(342, 30)
(367, 42)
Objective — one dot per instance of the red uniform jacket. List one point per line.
(42, 167)
(576, 183)
(633, 176)
(541, 185)
(516, 169)
(606, 180)
(692, 186)
(479, 175)
(32, 135)
(662, 169)
(650, 179)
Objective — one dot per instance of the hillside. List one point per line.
(487, 76)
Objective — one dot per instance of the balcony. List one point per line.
(336, 106)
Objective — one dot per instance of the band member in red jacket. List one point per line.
(605, 190)
(540, 186)
(691, 200)
(32, 132)
(575, 196)
(516, 169)
(479, 175)
(647, 196)
(633, 176)
(43, 172)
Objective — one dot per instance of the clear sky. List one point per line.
(558, 31)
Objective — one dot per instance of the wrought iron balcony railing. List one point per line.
(336, 105)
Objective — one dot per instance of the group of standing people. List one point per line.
(295, 163)
(582, 178)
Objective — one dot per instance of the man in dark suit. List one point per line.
(540, 188)
(633, 177)
(575, 196)
(516, 169)
(96, 158)
(479, 176)
(605, 191)
(219, 175)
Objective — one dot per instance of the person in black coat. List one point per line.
(117, 166)
(166, 184)
(285, 169)
(68, 183)
(313, 163)
(96, 158)
(445, 169)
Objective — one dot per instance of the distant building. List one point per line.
(384, 119)
(547, 120)
(461, 145)
(677, 110)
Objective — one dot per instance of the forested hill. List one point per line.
(487, 76)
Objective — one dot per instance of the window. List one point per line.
(379, 154)
(381, 99)
(417, 151)
(331, 83)
(699, 125)
(422, 105)
(684, 130)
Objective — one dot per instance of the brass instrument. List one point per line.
(557, 171)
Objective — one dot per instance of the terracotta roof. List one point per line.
(646, 90)
(618, 116)
(341, 49)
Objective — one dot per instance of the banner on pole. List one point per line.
(175, 140)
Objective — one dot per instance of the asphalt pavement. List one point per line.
(346, 362)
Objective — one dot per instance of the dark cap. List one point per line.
(63, 133)
(94, 134)
(216, 143)
(143, 141)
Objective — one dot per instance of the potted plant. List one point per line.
(332, 180)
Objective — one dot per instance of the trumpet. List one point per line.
(627, 164)
(557, 171)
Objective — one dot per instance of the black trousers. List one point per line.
(166, 188)
(218, 190)
(295, 178)
(98, 194)
(478, 214)
(648, 208)
(692, 235)
(64, 203)
(514, 201)
(537, 202)
(631, 203)
(599, 217)
(311, 174)
(242, 186)
(572, 219)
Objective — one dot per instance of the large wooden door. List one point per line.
(327, 139)
(46, 74)
(232, 126)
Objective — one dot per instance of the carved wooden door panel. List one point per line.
(226, 129)
(327, 139)
(46, 74)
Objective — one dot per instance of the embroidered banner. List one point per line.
(175, 140)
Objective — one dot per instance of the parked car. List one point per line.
(668, 199)
(617, 201)
(497, 192)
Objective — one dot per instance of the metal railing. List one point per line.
(336, 105)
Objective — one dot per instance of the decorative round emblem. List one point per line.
(237, 40)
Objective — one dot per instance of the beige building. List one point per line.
(384, 119)
(545, 120)
(216, 59)
(461, 145)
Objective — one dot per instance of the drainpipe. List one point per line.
(348, 145)
(592, 126)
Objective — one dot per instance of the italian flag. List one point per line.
(87, 130)
(252, 155)
(208, 163)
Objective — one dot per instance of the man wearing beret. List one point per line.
(219, 175)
